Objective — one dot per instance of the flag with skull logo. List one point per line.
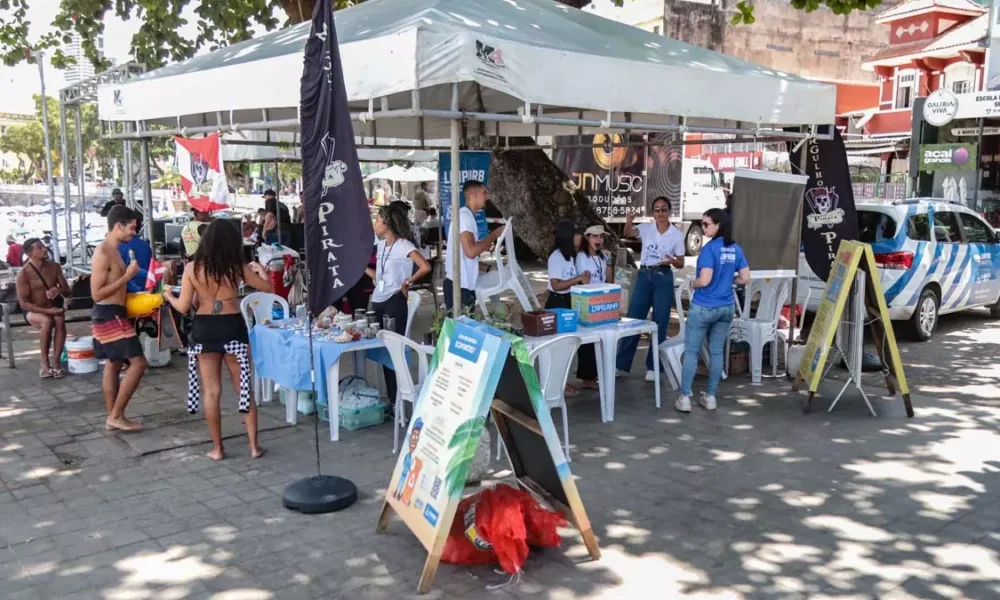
(338, 228)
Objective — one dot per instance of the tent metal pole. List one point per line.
(40, 59)
(456, 198)
(277, 200)
(81, 175)
(476, 116)
(64, 170)
(129, 184)
(147, 193)
(794, 304)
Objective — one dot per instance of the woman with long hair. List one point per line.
(395, 256)
(594, 260)
(563, 274)
(219, 335)
(720, 265)
(662, 252)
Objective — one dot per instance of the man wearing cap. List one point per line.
(15, 252)
(191, 233)
(117, 199)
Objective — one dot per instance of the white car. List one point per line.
(934, 258)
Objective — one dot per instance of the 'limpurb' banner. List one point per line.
(950, 157)
(474, 165)
(338, 246)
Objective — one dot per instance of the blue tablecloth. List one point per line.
(282, 355)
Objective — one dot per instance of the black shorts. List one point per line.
(213, 332)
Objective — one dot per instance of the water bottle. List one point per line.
(302, 311)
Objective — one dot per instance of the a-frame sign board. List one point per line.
(469, 374)
(852, 258)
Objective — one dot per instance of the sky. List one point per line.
(18, 84)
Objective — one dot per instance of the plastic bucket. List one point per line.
(80, 355)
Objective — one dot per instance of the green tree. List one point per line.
(27, 143)
(158, 41)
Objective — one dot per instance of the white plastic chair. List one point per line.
(762, 328)
(554, 360)
(672, 348)
(258, 307)
(412, 306)
(506, 277)
(407, 390)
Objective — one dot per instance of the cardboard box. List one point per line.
(597, 303)
(538, 323)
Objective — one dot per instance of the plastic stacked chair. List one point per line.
(672, 348)
(258, 307)
(762, 328)
(407, 390)
(507, 276)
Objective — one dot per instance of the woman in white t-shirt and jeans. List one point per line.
(395, 255)
(563, 274)
(662, 252)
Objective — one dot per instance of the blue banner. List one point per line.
(474, 165)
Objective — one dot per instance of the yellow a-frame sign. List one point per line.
(852, 257)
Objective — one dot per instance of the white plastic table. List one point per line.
(607, 338)
(333, 386)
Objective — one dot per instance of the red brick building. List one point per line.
(932, 44)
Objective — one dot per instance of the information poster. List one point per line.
(445, 428)
(852, 257)
(824, 327)
(474, 165)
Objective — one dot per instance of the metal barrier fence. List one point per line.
(868, 186)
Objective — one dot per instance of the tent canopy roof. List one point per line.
(500, 53)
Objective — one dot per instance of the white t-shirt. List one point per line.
(598, 265)
(393, 266)
(561, 269)
(470, 266)
(656, 246)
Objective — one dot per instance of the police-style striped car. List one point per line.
(934, 258)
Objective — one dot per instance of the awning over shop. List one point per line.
(501, 54)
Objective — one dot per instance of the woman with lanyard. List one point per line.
(720, 263)
(563, 275)
(662, 252)
(592, 259)
(393, 273)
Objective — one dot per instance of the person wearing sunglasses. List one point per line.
(662, 252)
(720, 264)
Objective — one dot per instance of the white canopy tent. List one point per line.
(419, 174)
(416, 69)
(393, 173)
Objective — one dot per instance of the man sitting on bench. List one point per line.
(41, 291)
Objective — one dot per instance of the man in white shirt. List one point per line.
(472, 246)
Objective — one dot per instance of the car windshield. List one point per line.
(874, 226)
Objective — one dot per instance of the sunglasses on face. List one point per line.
(661, 210)
(707, 223)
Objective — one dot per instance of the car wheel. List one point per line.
(693, 240)
(925, 316)
(995, 310)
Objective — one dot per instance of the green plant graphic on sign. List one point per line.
(466, 440)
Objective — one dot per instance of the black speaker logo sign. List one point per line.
(829, 214)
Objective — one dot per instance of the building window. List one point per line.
(656, 30)
(779, 48)
(905, 84)
(958, 77)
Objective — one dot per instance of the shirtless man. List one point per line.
(41, 291)
(114, 334)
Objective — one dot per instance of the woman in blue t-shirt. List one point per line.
(720, 264)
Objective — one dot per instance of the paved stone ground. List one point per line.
(756, 500)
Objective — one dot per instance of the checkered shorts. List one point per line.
(237, 349)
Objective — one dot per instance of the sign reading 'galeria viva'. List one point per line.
(951, 157)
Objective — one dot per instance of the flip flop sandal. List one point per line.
(45, 373)
(58, 373)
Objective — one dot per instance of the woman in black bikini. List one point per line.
(219, 333)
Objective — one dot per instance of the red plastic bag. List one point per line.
(498, 525)
(783, 320)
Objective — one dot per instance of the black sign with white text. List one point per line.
(339, 235)
(829, 215)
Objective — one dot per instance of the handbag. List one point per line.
(60, 300)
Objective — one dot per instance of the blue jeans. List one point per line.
(701, 322)
(654, 288)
